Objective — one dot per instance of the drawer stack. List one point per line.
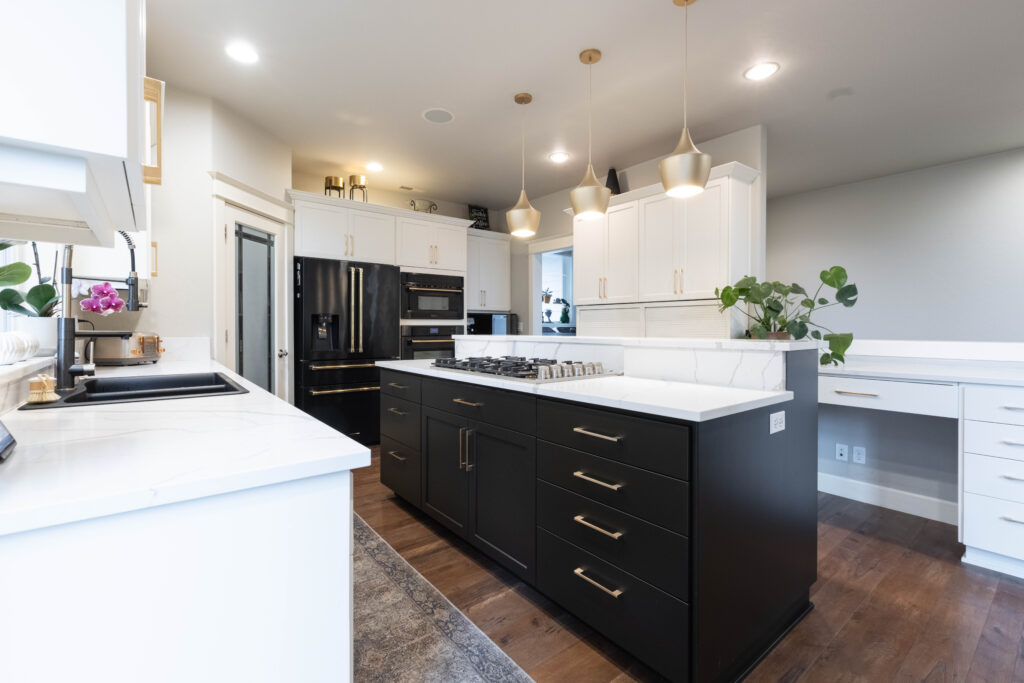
(400, 434)
(613, 527)
(994, 469)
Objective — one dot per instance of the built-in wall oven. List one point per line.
(426, 296)
(425, 341)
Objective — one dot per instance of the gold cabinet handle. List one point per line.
(587, 432)
(580, 519)
(397, 386)
(1005, 518)
(153, 91)
(360, 309)
(156, 265)
(579, 572)
(1011, 477)
(580, 474)
(462, 430)
(680, 280)
(325, 392)
(341, 367)
(396, 456)
(675, 281)
(431, 341)
(462, 402)
(396, 411)
(352, 308)
(855, 393)
(434, 289)
(1012, 443)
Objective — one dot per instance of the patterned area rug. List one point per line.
(405, 630)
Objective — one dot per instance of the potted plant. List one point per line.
(35, 308)
(564, 319)
(545, 295)
(780, 311)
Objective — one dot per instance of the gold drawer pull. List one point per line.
(462, 402)
(434, 289)
(341, 367)
(397, 386)
(586, 432)
(855, 393)
(396, 456)
(579, 572)
(1012, 519)
(579, 474)
(396, 411)
(441, 340)
(1011, 477)
(342, 391)
(580, 519)
(1012, 443)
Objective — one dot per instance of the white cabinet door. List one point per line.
(321, 232)
(474, 266)
(371, 237)
(588, 260)
(620, 285)
(704, 258)
(660, 218)
(416, 243)
(495, 275)
(450, 248)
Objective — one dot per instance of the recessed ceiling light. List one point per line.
(241, 51)
(438, 115)
(761, 71)
(374, 166)
(559, 157)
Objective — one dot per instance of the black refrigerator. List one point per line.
(346, 319)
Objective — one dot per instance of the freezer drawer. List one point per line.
(352, 409)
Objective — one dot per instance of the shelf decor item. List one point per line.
(545, 295)
(357, 182)
(779, 311)
(103, 300)
(423, 205)
(612, 182)
(333, 183)
(480, 217)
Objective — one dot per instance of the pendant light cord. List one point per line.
(523, 147)
(590, 113)
(686, 46)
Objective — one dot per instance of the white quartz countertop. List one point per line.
(1005, 373)
(652, 342)
(81, 462)
(679, 400)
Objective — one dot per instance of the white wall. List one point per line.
(936, 253)
(315, 183)
(250, 154)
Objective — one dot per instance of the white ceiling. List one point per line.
(912, 83)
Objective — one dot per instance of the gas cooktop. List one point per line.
(526, 369)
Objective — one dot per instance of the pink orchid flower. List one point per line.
(104, 300)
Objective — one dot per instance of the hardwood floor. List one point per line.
(892, 602)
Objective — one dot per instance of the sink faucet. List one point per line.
(67, 369)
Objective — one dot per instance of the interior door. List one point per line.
(589, 256)
(659, 271)
(706, 243)
(621, 270)
(371, 236)
(445, 481)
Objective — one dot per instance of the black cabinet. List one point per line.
(445, 479)
(400, 469)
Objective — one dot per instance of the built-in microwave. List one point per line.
(426, 296)
(428, 342)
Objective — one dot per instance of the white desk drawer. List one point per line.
(989, 438)
(896, 396)
(994, 525)
(994, 477)
(994, 404)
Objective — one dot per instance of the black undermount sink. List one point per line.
(101, 390)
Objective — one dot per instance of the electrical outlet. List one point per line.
(777, 422)
(860, 455)
(842, 452)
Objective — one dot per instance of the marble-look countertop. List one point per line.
(81, 462)
(930, 370)
(650, 342)
(679, 400)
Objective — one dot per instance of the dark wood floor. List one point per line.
(892, 602)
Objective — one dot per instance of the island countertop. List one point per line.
(678, 400)
(82, 462)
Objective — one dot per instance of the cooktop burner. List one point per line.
(520, 367)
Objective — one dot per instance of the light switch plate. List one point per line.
(777, 422)
(842, 452)
(860, 455)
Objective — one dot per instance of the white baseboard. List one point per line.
(994, 561)
(893, 499)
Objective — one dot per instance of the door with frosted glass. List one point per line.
(254, 305)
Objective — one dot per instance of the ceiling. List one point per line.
(866, 88)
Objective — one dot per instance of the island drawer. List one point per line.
(990, 438)
(994, 525)
(400, 469)
(647, 495)
(509, 409)
(400, 420)
(648, 444)
(646, 551)
(400, 384)
(321, 372)
(918, 398)
(994, 404)
(648, 622)
(995, 477)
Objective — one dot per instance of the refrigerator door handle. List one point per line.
(361, 310)
(352, 310)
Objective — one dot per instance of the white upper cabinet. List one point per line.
(73, 122)
(321, 231)
(589, 256)
(371, 237)
(605, 257)
(659, 223)
(488, 272)
(431, 246)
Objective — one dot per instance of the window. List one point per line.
(558, 314)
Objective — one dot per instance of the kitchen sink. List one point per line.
(102, 390)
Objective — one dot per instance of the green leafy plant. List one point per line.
(776, 308)
(40, 301)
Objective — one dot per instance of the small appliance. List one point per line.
(426, 341)
(493, 323)
(426, 296)
(123, 348)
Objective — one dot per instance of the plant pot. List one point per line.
(547, 298)
(43, 329)
(779, 336)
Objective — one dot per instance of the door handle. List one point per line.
(346, 245)
(396, 411)
(1011, 477)
(397, 386)
(325, 392)
(341, 367)
(579, 572)
(351, 310)
(1005, 518)
(281, 353)
(587, 432)
(396, 456)
(361, 293)
(580, 519)
(463, 402)
(461, 431)
(855, 393)
(434, 289)
(431, 341)
(675, 281)
(580, 474)
(468, 465)
(1012, 443)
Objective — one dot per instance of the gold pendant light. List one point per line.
(523, 220)
(685, 172)
(590, 198)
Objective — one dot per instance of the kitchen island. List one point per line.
(676, 518)
(194, 539)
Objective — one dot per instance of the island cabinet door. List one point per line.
(503, 480)
(445, 479)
